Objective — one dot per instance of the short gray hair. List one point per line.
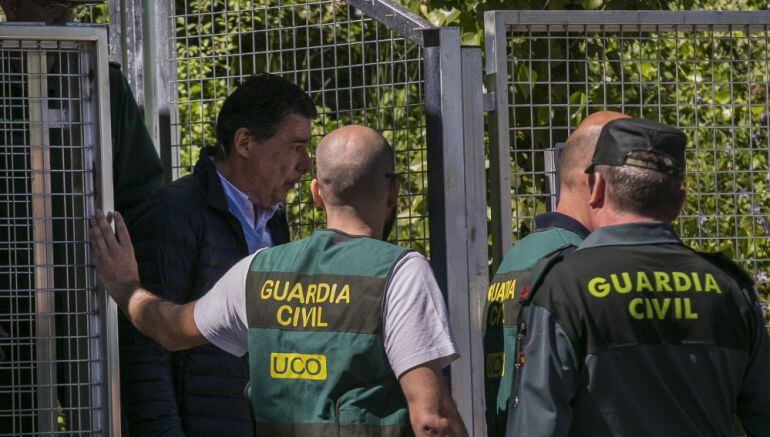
(644, 191)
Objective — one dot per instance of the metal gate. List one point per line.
(60, 370)
(369, 62)
(705, 72)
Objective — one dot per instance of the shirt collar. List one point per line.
(559, 220)
(631, 234)
(241, 202)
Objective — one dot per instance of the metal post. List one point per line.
(495, 42)
(149, 66)
(476, 224)
(109, 368)
(42, 232)
(447, 199)
(127, 36)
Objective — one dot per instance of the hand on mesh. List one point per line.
(114, 256)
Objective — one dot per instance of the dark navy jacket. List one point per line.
(185, 240)
(635, 334)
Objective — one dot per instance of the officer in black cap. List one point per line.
(634, 333)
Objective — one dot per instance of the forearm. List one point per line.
(432, 411)
(171, 325)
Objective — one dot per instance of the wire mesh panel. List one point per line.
(355, 69)
(52, 90)
(709, 78)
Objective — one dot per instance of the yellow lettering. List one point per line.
(661, 309)
(320, 323)
(661, 281)
(688, 314)
(511, 293)
(643, 282)
(311, 290)
(682, 281)
(333, 293)
(297, 366)
(501, 291)
(307, 316)
(622, 289)
(280, 297)
(677, 308)
(296, 292)
(295, 319)
(281, 320)
(598, 287)
(633, 308)
(323, 292)
(491, 292)
(711, 284)
(696, 282)
(267, 289)
(344, 294)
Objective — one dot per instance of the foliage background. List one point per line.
(728, 210)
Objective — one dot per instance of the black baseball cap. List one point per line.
(620, 137)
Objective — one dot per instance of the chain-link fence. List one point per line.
(54, 378)
(356, 69)
(709, 77)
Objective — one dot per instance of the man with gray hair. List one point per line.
(634, 333)
(346, 334)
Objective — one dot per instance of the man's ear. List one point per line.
(597, 197)
(243, 143)
(681, 198)
(315, 191)
(393, 189)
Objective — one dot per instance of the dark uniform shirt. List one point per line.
(636, 334)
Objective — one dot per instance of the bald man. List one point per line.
(346, 334)
(560, 231)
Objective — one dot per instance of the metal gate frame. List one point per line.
(497, 24)
(455, 149)
(105, 330)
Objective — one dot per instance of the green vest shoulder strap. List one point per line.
(537, 245)
(538, 272)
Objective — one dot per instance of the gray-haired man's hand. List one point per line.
(114, 257)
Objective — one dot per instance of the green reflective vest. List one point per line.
(316, 356)
(501, 308)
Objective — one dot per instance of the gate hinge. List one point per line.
(489, 103)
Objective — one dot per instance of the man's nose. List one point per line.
(305, 163)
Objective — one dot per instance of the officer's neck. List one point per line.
(353, 222)
(573, 205)
(610, 217)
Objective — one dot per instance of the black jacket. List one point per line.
(635, 334)
(185, 240)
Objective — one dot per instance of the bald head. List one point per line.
(351, 164)
(580, 146)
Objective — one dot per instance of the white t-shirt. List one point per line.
(415, 325)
